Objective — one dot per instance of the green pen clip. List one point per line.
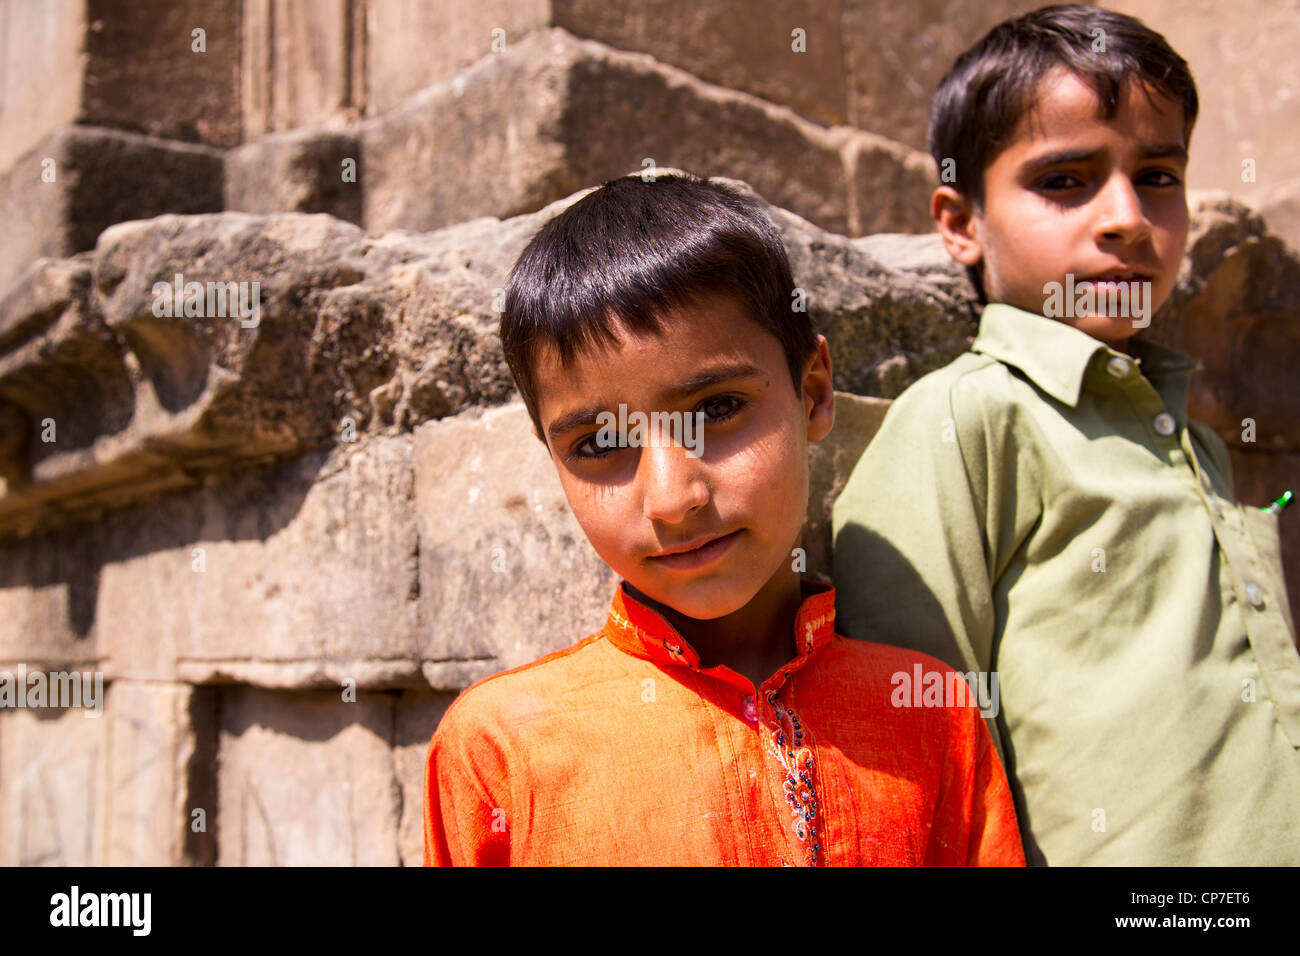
(1276, 507)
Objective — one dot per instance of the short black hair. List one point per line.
(990, 88)
(636, 249)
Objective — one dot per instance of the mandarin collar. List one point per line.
(637, 629)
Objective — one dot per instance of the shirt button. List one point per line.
(1118, 367)
(750, 711)
(1254, 594)
(1165, 425)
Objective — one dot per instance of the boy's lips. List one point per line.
(696, 552)
(1119, 275)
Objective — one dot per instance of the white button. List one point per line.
(1165, 424)
(1118, 367)
(1254, 594)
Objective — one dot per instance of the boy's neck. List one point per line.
(754, 641)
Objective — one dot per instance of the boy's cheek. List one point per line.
(610, 548)
(591, 512)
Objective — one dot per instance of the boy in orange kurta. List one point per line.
(716, 718)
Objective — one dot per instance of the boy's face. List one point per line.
(744, 497)
(1075, 194)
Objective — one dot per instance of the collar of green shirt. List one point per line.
(1057, 357)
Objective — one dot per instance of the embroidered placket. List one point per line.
(790, 744)
(788, 739)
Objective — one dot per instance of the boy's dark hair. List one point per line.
(634, 250)
(980, 102)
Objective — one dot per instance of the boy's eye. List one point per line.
(1057, 182)
(1158, 177)
(722, 406)
(716, 410)
(596, 450)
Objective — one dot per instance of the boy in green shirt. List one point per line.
(1041, 512)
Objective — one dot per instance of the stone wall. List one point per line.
(288, 544)
(447, 110)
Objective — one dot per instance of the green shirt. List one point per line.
(1041, 511)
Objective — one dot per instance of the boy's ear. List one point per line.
(956, 221)
(819, 391)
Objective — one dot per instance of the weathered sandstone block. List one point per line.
(307, 780)
(77, 181)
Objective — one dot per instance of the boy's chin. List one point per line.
(1106, 329)
(704, 600)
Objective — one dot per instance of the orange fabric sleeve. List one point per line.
(975, 818)
(994, 830)
(466, 823)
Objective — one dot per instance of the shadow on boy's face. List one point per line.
(684, 455)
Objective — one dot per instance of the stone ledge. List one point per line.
(384, 332)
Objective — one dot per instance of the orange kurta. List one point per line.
(622, 750)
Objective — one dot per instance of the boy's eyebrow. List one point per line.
(1160, 151)
(711, 377)
(696, 383)
(1166, 151)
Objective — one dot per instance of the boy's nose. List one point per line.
(672, 482)
(1120, 215)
